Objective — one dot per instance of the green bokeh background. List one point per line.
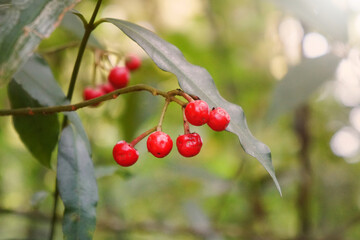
(222, 193)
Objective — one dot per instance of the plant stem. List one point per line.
(186, 123)
(53, 217)
(141, 136)
(186, 96)
(74, 107)
(301, 128)
(88, 29)
(159, 126)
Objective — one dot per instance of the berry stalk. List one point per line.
(186, 96)
(159, 126)
(142, 136)
(186, 123)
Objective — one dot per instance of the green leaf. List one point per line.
(77, 186)
(74, 119)
(319, 15)
(39, 133)
(23, 25)
(196, 80)
(36, 78)
(73, 24)
(300, 82)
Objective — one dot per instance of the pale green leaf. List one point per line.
(23, 24)
(300, 83)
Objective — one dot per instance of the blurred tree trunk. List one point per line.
(301, 128)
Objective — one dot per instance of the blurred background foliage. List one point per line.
(294, 68)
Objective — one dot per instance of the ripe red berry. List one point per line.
(90, 93)
(189, 145)
(107, 87)
(219, 119)
(119, 77)
(197, 112)
(159, 144)
(124, 154)
(132, 62)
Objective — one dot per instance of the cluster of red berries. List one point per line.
(189, 144)
(118, 77)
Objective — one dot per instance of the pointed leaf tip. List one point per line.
(197, 81)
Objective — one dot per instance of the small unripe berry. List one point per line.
(159, 144)
(107, 87)
(132, 62)
(124, 154)
(119, 77)
(189, 145)
(90, 93)
(197, 112)
(219, 119)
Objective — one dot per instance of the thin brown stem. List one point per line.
(74, 107)
(301, 128)
(54, 216)
(186, 123)
(159, 126)
(186, 96)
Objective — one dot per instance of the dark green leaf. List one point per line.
(74, 25)
(23, 24)
(74, 119)
(77, 186)
(39, 133)
(300, 82)
(36, 78)
(319, 15)
(196, 80)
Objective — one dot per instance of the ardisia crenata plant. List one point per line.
(36, 99)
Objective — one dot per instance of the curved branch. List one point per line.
(106, 97)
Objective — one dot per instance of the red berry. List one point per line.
(124, 154)
(119, 77)
(219, 119)
(90, 93)
(107, 87)
(189, 145)
(197, 112)
(132, 62)
(159, 144)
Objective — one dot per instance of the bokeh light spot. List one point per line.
(345, 142)
(315, 45)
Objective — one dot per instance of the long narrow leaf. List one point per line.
(77, 186)
(39, 133)
(196, 80)
(37, 80)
